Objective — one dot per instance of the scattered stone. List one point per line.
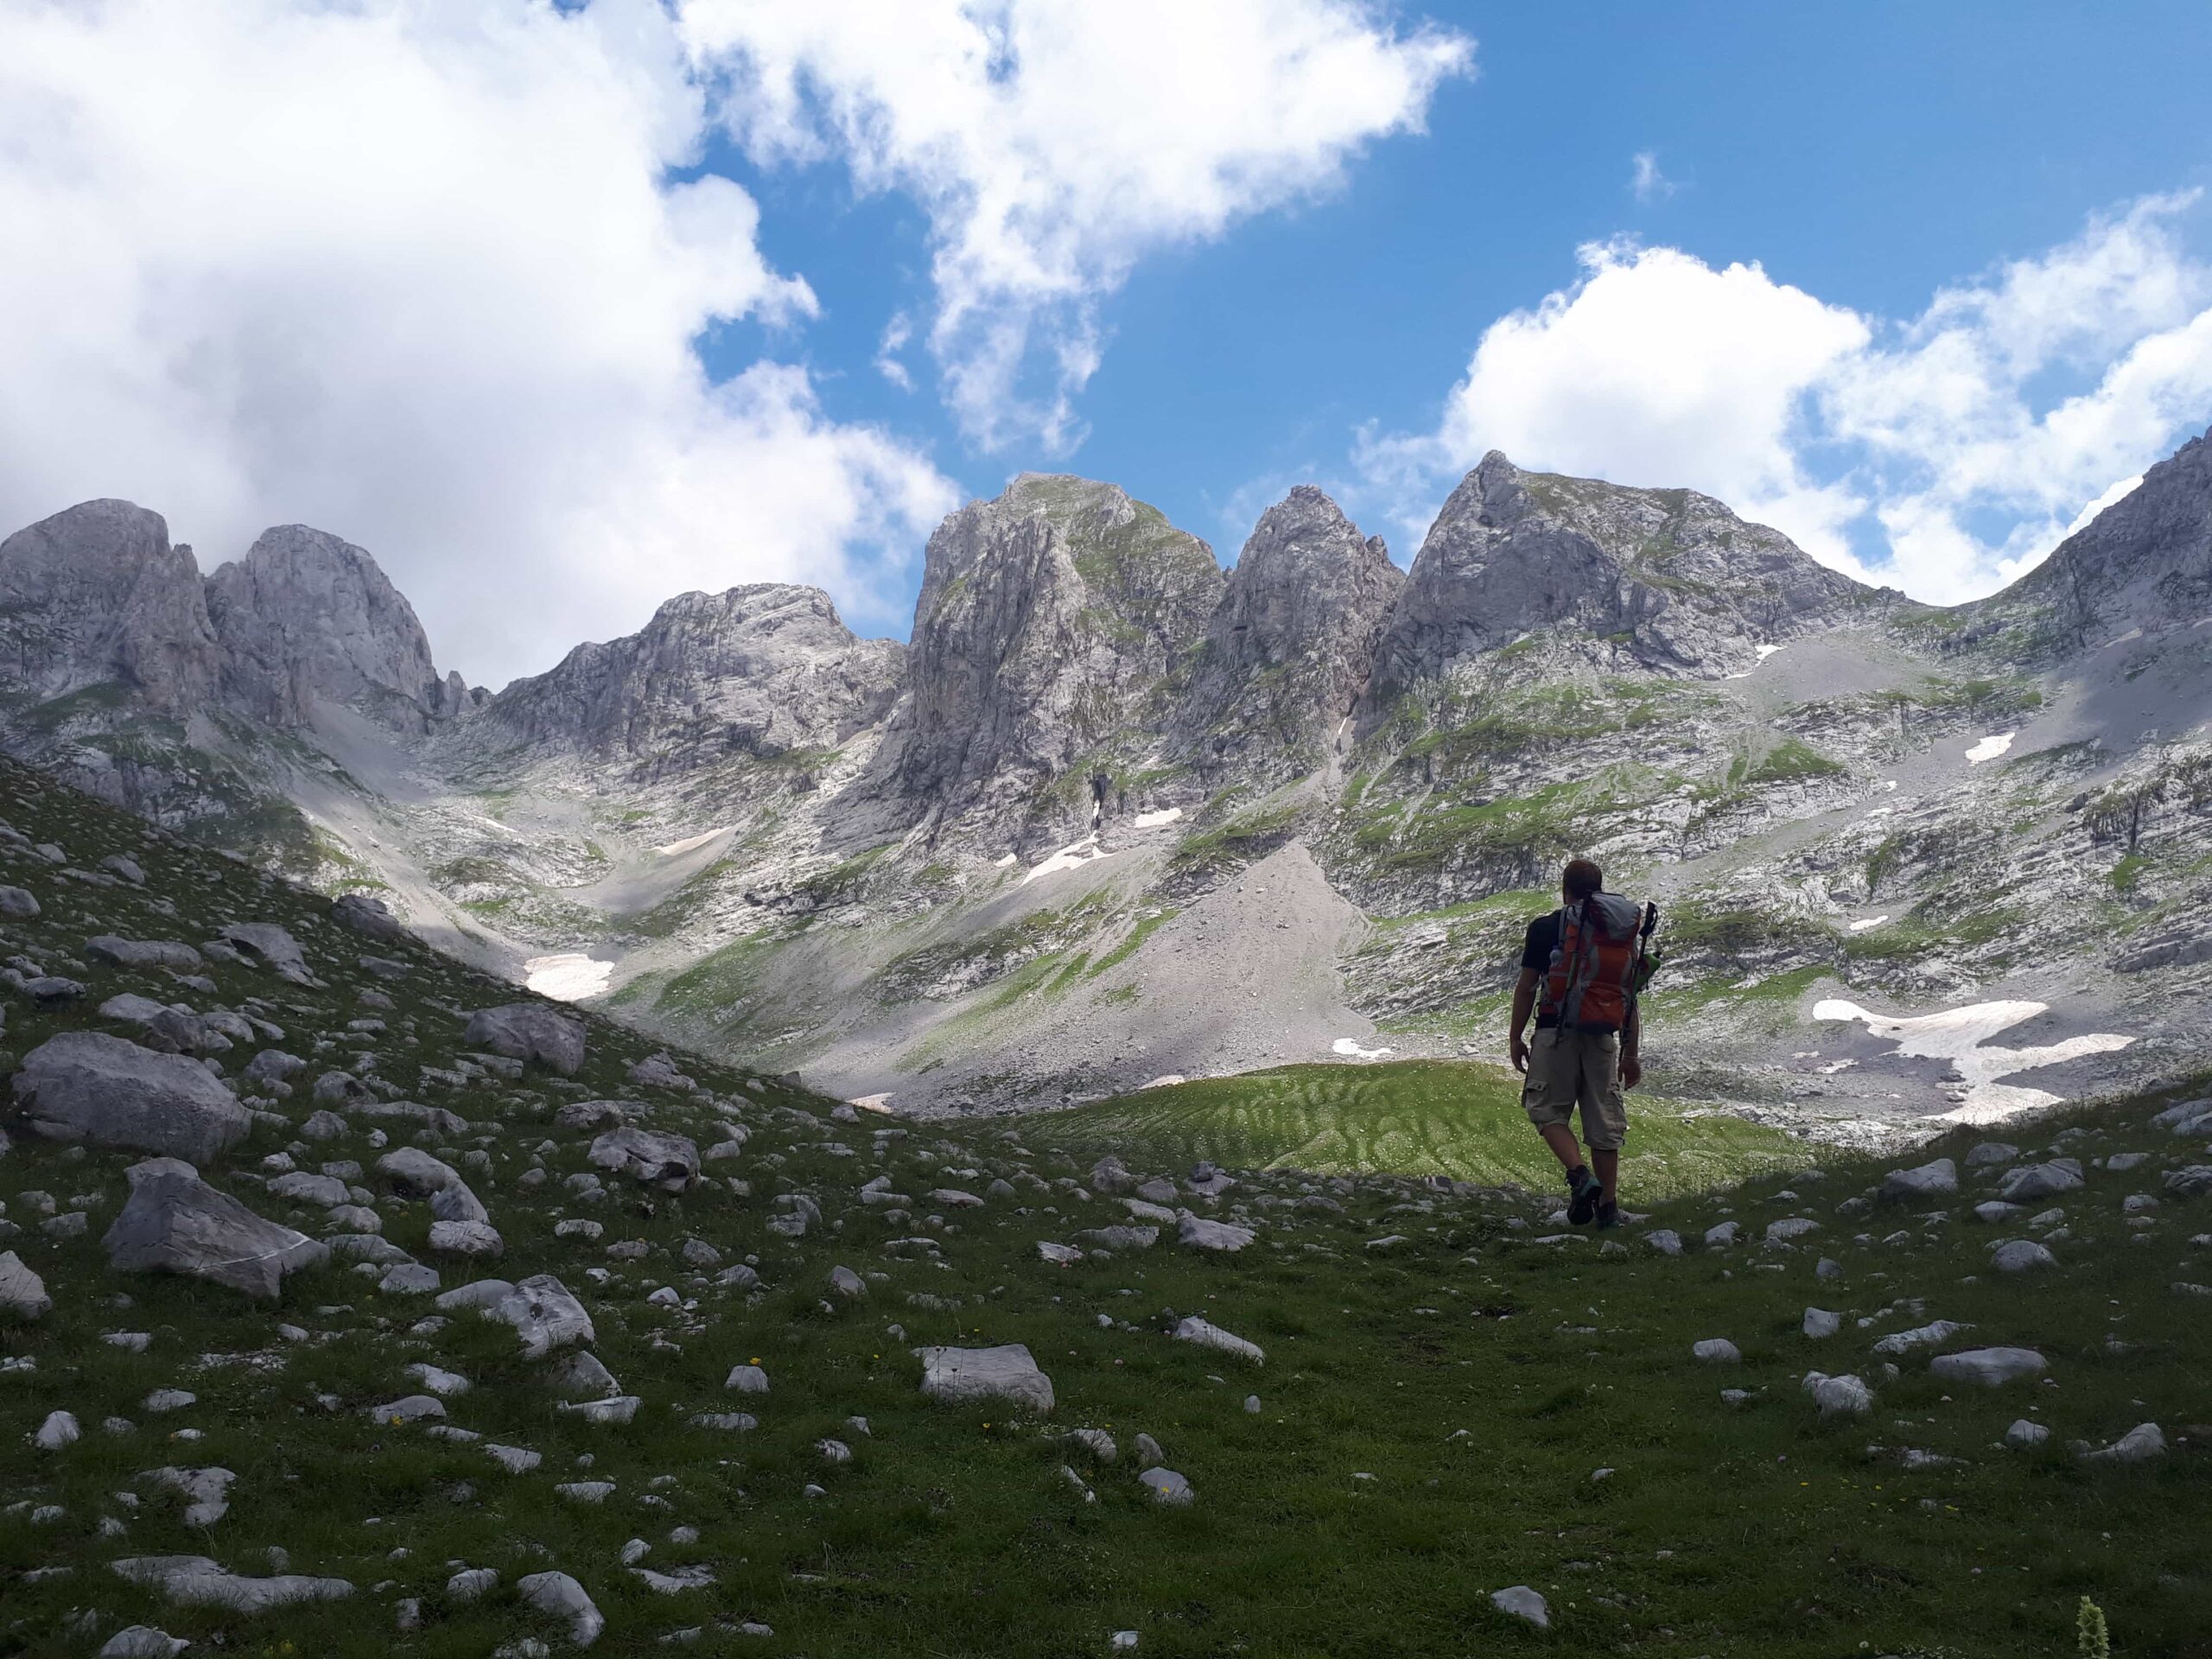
(2024, 1435)
(1201, 1234)
(2021, 1256)
(1845, 1396)
(559, 1594)
(60, 1429)
(196, 1581)
(648, 1155)
(1213, 1336)
(1933, 1181)
(22, 1293)
(957, 1375)
(2047, 1180)
(272, 947)
(1521, 1602)
(86, 1085)
(748, 1379)
(1819, 1323)
(1169, 1487)
(143, 1641)
(1991, 1367)
(542, 1311)
(527, 1032)
(173, 1221)
(2140, 1445)
(1717, 1351)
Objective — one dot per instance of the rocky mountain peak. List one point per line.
(760, 669)
(95, 595)
(1669, 578)
(2144, 561)
(1289, 648)
(306, 617)
(1051, 620)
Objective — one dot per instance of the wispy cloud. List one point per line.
(1646, 181)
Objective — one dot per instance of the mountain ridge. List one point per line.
(907, 869)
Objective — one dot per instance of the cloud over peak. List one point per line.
(1054, 142)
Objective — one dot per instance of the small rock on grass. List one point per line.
(1717, 1351)
(1169, 1487)
(1522, 1602)
(2141, 1444)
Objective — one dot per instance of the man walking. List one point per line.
(1581, 966)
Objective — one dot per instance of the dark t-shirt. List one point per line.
(1536, 952)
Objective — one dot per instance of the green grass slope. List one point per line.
(1407, 1117)
(1431, 1412)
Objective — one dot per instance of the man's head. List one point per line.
(1579, 880)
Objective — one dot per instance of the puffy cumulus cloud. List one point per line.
(1945, 454)
(414, 273)
(1054, 142)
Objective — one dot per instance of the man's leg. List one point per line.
(1604, 1112)
(1606, 1164)
(1565, 1148)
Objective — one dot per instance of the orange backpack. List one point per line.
(1600, 962)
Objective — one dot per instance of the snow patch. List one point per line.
(1350, 1048)
(1165, 1080)
(1962, 1036)
(1072, 856)
(873, 1102)
(689, 842)
(1866, 922)
(1002, 863)
(569, 976)
(1990, 747)
(1764, 652)
(1152, 820)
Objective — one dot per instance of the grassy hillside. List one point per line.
(1409, 1117)
(1443, 1380)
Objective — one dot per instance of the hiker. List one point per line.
(1581, 967)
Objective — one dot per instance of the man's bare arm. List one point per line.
(1524, 1004)
(1632, 1048)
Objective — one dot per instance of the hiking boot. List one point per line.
(1609, 1214)
(1584, 1188)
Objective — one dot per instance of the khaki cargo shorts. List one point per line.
(1568, 1069)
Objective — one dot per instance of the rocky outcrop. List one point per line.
(1289, 649)
(1673, 580)
(305, 618)
(760, 670)
(1052, 638)
(88, 1086)
(2144, 561)
(176, 1223)
(96, 596)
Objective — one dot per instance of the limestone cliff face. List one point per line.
(1673, 578)
(1289, 649)
(306, 617)
(761, 670)
(2144, 561)
(1053, 635)
(96, 596)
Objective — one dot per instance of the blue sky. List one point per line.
(1869, 158)
(560, 309)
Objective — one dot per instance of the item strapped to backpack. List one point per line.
(1601, 963)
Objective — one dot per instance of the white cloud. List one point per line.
(411, 272)
(1948, 453)
(896, 333)
(1646, 181)
(1054, 142)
